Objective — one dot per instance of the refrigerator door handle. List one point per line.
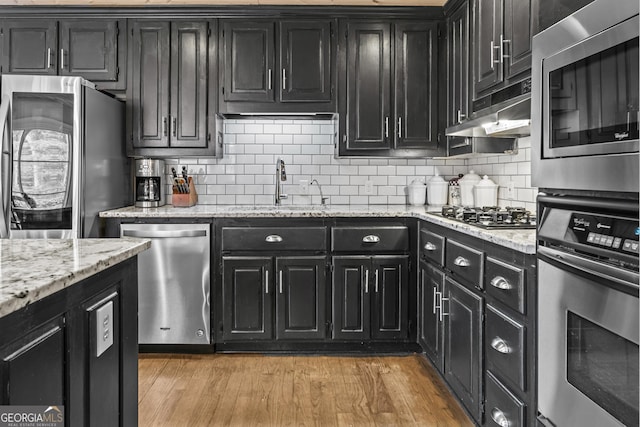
(5, 168)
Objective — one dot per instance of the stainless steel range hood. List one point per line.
(507, 119)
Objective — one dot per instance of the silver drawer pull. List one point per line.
(273, 238)
(501, 283)
(430, 247)
(499, 417)
(371, 238)
(500, 345)
(461, 262)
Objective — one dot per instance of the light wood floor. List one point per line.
(257, 390)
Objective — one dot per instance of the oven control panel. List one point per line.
(613, 233)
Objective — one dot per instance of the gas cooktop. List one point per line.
(491, 217)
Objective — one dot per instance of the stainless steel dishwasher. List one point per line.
(173, 283)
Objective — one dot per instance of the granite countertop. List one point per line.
(32, 269)
(520, 240)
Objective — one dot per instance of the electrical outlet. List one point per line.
(511, 190)
(304, 186)
(368, 187)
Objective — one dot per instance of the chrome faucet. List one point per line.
(323, 199)
(281, 175)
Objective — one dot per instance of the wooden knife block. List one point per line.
(185, 200)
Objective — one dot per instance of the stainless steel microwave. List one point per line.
(585, 100)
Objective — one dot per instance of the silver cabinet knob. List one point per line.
(501, 283)
(500, 345)
(499, 418)
(273, 238)
(371, 238)
(461, 262)
(430, 247)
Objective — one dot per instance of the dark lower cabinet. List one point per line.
(370, 297)
(251, 287)
(76, 348)
(463, 344)
(32, 368)
(430, 285)
(247, 298)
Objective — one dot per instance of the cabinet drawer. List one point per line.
(464, 262)
(432, 247)
(370, 239)
(505, 346)
(274, 238)
(502, 406)
(506, 283)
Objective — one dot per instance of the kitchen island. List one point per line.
(68, 327)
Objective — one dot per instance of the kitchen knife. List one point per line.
(186, 178)
(177, 182)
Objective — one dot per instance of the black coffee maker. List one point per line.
(149, 183)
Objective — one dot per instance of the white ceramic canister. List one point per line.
(486, 193)
(467, 183)
(417, 193)
(437, 189)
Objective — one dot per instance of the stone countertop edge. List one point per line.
(32, 269)
(519, 240)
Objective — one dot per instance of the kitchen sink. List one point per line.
(278, 208)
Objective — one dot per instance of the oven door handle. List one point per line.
(594, 268)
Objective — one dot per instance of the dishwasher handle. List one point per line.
(163, 234)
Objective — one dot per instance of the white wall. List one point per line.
(246, 173)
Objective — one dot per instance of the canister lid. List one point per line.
(471, 177)
(486, 182)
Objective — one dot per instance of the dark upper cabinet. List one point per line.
(247, 298)
(277, 66)
(94, 49)
(32, 369)
(305, 61)
(416, 86)
(502, 41)
(370, 297)
(249, 60)
(391, 89)
(458, 64)
(173, 66)
(300, 303)
(463, 344)
(368, 86)
(429, 322)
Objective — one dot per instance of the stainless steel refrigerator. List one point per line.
(63, 157)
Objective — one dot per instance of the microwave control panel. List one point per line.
(613, 233)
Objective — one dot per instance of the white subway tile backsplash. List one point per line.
(246, 173)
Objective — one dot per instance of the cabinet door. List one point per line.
(249, 61)
(305, 60)
(189, 41)
(463, 344)
(488, 29)
(32, 370)
(390, 302)
(458, 45)
(89, 48)
(300, 305)
(368, 90)
(429, 323)
(150, 86)
(351, 298)
(30, 46)
(518, 32)
(416, 85)
(247, 298)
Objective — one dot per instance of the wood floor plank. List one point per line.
(258, 390)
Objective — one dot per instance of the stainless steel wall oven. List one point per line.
(588, 331)
(585, 100)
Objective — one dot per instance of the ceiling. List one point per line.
(223, 2)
